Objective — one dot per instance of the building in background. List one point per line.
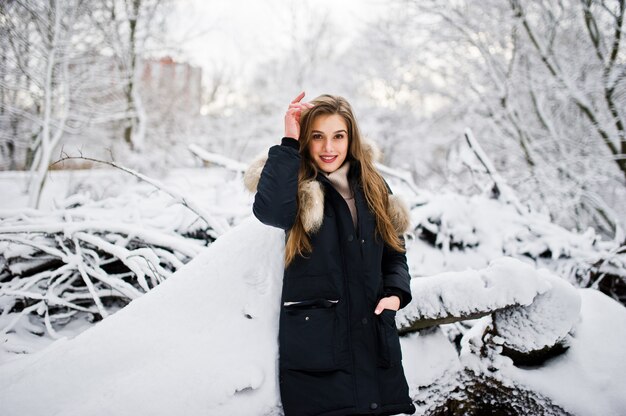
(170, 87)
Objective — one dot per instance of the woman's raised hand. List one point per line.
(292, 116)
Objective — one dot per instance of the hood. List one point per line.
(311, 194)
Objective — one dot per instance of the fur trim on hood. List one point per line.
(311, 194)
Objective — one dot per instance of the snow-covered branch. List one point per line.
(217, 159)
(217, 225)
(91, 259)
(532, 310)
(500, 188)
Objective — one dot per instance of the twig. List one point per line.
(501, 189)
(220, 227)
(87, 280)
(220, 160)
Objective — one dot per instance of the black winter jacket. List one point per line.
(336, 357)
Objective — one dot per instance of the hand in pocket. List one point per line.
(390, 302)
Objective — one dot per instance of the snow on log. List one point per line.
(533, 310)
(454, 296)
(531, 333)
(587, 379)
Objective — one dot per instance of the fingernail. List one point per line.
(377, 311)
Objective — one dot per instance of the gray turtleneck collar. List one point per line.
(339, 180)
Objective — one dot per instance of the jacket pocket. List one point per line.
(389, 351)
(308, 334)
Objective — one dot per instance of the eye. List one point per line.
(316, 136)
(339, 136)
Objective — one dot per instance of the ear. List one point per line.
(399, 214)
(311, 199)
(253, 173)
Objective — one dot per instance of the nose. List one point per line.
(328, 145)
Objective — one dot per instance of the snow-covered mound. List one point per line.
(588, 379)
(205, 343)
(456, 232)
(202, 343)
(101, 240)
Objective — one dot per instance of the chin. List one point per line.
(329, 169)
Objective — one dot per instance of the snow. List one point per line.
(473, 231)
(505, 282)
(72, 228)
(590, 378)
(158, 356)
(205, 340)
(427, 359)
(507, 194)
(79, 203)
(218, 159)
(545, 322)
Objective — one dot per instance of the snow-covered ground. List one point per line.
(590, 378)
(107, 198)
(205, 340)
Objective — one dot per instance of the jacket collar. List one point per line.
(353, 172)
(311, 193)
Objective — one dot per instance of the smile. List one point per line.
(328, 159)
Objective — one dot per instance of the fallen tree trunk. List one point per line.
(533, 311)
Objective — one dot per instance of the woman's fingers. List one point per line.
(389, 302)
(296, 102)
(379, 307)
(292, 122)
(296, 111)
(300, 105)
(293, 114)
(299, 97)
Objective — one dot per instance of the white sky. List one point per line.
(242, 33)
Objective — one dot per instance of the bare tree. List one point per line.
(58, 75)
(126, 28)
(37, 78)
(603, 21)
(544, 84)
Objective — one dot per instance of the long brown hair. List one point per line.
(374, 187)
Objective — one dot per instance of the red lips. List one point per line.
(328, 160)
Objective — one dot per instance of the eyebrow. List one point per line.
(338, 131)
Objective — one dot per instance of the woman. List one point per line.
(345, 274)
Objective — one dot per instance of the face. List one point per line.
(328, 145)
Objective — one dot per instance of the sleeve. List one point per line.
(275, 202)
(396, 277)
(395, 269)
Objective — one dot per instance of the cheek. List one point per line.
(346, 147)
